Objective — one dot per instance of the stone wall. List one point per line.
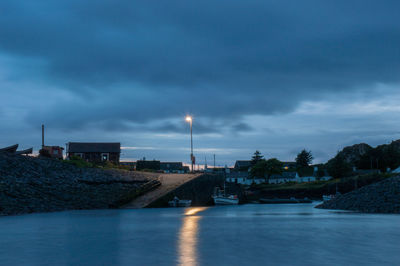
(30, 184)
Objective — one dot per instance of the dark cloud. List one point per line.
(221, 60)
(142, 66)
(241, 127)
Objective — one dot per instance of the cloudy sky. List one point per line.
(277, 76)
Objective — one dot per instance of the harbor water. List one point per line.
(284, 234)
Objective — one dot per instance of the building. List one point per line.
(95, 151)
(172, 167)
(54, 151)
(242, 165)
(131, 165)
(289, 165)
(148, 165)
(284, 178)
(239, 178)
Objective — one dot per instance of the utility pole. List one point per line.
(42, 136)
(192, 159)
(214, 161)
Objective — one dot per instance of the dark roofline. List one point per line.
(87, 147)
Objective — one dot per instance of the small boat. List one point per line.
(176, 202)
(328, 197)
(220, 198)
(10, 149)
(24, 152)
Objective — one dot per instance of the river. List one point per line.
(230, 235)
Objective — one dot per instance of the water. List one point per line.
(231, 235)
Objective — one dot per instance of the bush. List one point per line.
(79, 162)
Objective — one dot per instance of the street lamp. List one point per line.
(189, 119)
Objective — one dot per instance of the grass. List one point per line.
(317, 188)
(79, 162)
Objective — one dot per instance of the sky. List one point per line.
(275, 76)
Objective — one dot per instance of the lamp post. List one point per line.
(190, 121)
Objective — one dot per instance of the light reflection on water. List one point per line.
(229, 235)
(188, 236)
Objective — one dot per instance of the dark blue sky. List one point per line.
(277, 76)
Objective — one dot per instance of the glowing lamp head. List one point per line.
(188, 118)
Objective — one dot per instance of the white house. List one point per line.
(284, 178)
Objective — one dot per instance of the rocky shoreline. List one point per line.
(30, 185)
(380, 197)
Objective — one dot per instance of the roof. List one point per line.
(242, 163)
(294, 164)
(94, 147)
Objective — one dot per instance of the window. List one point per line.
(104, 157)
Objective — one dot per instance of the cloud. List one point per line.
(138, 66)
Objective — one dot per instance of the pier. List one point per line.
(169, 182)
(196, 187)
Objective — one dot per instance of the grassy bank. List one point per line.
(313, 190)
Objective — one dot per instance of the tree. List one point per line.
(304, 158)
(266, 168)
(338, 167)
(258, 170)
(272, 166)
(257, 157)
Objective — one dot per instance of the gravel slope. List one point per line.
(380, 197)
(30, 184)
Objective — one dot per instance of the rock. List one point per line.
(29, 184)
(380, 197)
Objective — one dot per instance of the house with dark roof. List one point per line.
(95, 151)
(242, 165)
(148, 165)
(172, 167)
(284, 178)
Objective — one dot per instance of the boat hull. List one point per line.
(10, 149)
(226, 201)
(180, 203)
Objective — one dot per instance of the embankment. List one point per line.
(43, 185)
(381, 197)
(313, 190)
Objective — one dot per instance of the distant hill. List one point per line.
(363, 156)
(352, 154)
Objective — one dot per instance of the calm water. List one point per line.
(232, 235)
